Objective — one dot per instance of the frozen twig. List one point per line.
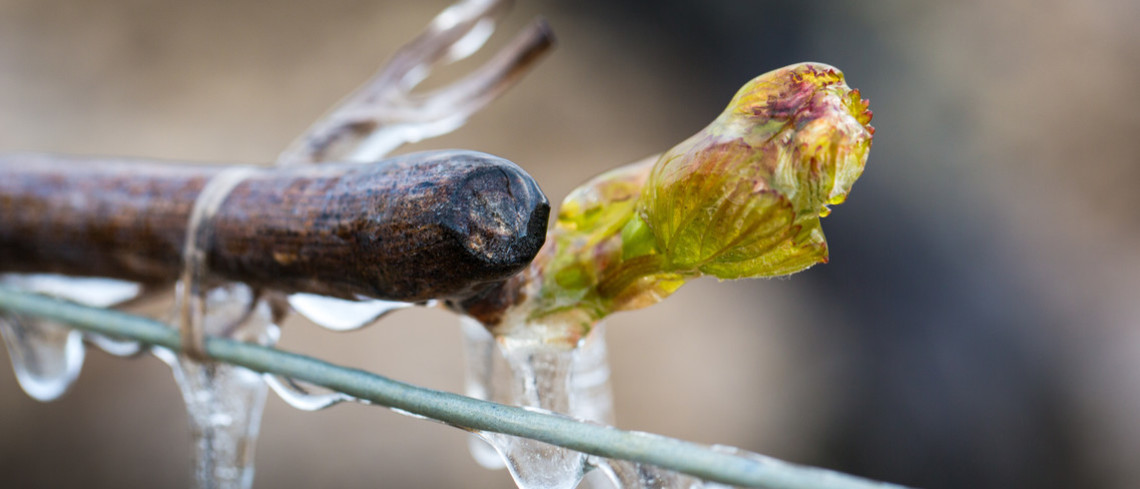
(385, 113)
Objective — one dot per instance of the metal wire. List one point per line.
(464, 412)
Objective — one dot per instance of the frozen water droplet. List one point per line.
(221, 419)
(89, 291)
(340, 314)
(595, 479)
(302, 396)
(46, 356)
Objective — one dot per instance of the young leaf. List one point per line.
(741, 198)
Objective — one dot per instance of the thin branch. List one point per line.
(385, 112)
(681, 456)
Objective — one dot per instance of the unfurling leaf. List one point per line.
(741, 198)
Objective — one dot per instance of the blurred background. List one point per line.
(976, 327)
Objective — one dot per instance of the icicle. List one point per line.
(342, 315)
(47, 356)
(225, 402)
(572, 381)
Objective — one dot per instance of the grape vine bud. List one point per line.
(743, 197)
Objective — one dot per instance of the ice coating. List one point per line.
(623, 474)
(572, 382)
(46, 356)
(89, 291)
(113, 346)
(225, 402)
(536, 465)
(340, 314)
(302, 396)
(569, 381)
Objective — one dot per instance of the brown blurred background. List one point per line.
(976, 327)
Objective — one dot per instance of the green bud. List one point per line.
(741, 198)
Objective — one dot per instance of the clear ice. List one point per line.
(336, 315)
(89, 291)
(572, 381)
(569, 381)
(303, 396)
(340, 314)
(225, 402)
(47, 356)
(623, 474)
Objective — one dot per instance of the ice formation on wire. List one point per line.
(224, 402)
(47, 356)
(568, 381)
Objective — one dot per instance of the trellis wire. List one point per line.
(461, 411)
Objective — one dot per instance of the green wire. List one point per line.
(465, 412)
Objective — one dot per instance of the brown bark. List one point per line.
(430, 225)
